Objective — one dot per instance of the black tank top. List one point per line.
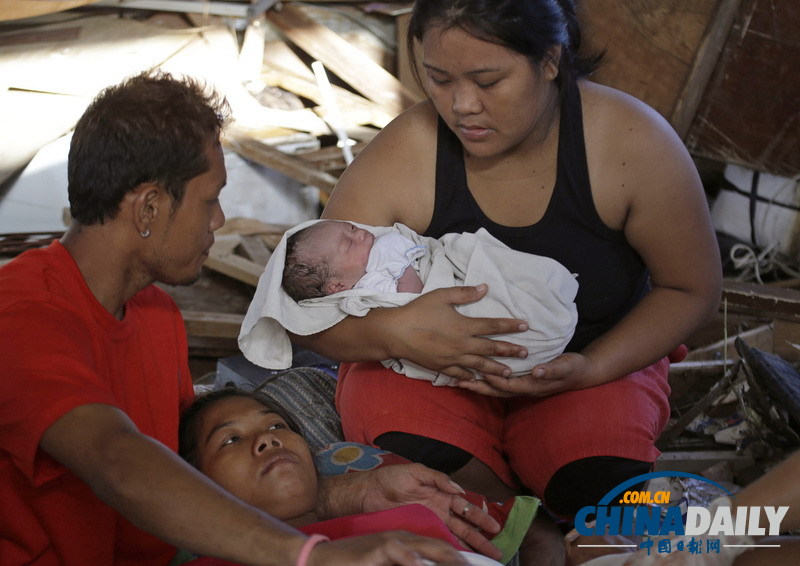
(612, 276)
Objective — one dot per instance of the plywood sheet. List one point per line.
(750, 113)
(651, 45)
(18, 9)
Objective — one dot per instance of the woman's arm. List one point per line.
(392, 180)
(644, 183)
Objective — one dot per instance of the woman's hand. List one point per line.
(430, 332)
(566, 372)
(384, 549)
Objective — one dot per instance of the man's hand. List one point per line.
(403, 484)
(567, 372)
(385, 549)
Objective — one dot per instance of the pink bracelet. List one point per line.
(308, 546)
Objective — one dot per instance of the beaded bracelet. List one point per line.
(308, 546)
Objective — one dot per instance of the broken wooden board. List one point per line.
(242, 248)
(749, 113)
(212, 56)
(771, 302)
(724, 350)
(19, 9)
(290, 165)
(354, 109)
(255, 249)
(343, 59)
(660, 51)
(212, 324)
(330, 158)
(222, 258)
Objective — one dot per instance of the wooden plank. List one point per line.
(760, 337)
(750, 113)
(222, 259)
(354, 108)
(18, 9)
(651, 45)
(279, 56)
(255, 249)
(342, 58)
(290, 165)
(40, 36)
(708, 54)
(250, 226)
(225, 244)
(213, 56)
(212, 324)
(236, 267)
(773, 302)
(330, 158)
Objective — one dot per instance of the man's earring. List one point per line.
(145, 234)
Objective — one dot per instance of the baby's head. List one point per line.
(327, 257)
(249, 445)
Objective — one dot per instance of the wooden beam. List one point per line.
(255, 249)
(212, 324)
(724, 350)
(222, 259)
(330, 158)
(708, 54)
(351, 105)
(343, 59)
(291, 166)
(19, 9)
(771, 302)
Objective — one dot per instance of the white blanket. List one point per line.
(524, 286)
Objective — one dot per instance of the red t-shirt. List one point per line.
(59, 349)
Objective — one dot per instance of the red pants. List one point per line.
(532, 437)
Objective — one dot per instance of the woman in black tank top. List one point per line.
(514, 139)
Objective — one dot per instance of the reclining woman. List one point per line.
(249, 445)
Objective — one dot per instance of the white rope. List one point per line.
(752, 265)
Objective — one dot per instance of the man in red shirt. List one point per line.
(94, 365)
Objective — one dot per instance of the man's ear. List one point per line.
(145, 206)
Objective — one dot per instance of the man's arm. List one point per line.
(157, 491)
(160, 493)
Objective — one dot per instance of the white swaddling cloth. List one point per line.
(524, 286)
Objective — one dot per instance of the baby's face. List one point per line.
(346, 249)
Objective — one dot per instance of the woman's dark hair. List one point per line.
(529, 27)
(151, 128)
(188, 429)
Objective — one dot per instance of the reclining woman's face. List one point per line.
(251, 451)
